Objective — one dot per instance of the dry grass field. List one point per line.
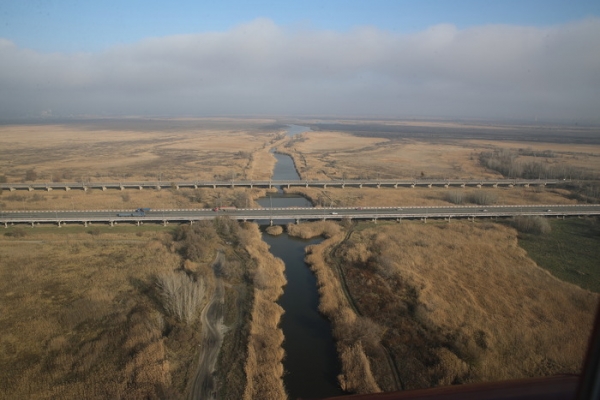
(81, 315)
(78, 320)
(108, 313)
(389, 197)
(203, 149)
(457, 303)
(437, 151)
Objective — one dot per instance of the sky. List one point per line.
(532, 60)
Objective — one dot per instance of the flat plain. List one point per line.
(86, 297)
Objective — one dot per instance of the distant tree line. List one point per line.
(506, 162)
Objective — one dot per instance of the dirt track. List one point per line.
(204, 386)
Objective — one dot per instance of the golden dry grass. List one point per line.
(205, 150)
(76, 322)
(337, 155)
(390, 197)
(458, 302)
(487, 311)
(356, 375)
(129, 199)
(264, 367)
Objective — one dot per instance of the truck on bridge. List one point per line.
(140, 212)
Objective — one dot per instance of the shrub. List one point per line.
(454, 197)
(95, 231)
(483, 197)
(181, 295)
(30, 175)
(528, 224)
(17, 232)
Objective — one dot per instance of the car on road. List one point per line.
(484, 210)
(334, 213)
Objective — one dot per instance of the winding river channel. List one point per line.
(311, 362)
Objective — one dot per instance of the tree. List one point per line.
(30, 175)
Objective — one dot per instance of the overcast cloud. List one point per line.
(260, 68)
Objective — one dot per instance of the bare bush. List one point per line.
(30, 175)
(17, 232)
(454, 197)
(181, 295)
(483, 197)
(532, 224)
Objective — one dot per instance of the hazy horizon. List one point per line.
(489, 64)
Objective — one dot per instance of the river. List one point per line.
(311, 361)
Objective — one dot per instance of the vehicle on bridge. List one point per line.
(140, 212)
(226, 208)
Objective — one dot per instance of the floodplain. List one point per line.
(412, 304)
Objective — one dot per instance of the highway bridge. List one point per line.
(296, 214)
(395, 183)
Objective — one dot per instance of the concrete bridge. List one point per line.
(357, 183)
(269, 215)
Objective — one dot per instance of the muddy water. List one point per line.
(311, 361)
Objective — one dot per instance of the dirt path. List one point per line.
(340, 273)
(204, 386)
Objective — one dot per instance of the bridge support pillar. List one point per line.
(430, 185)
(67, 188)
(271, 222)
(165, 222)
(462, 185)
(112, 223)
(104, 188)
(378, 185)
(511, 186)
(395, 186)
(33, 225)
(121, 187)
(360, 186)
(297, 221)
(59, 225)
(191, 222)
(251, 185)
(157, 187)
(425, 220)
(85, 223)
(48, 188)
(6, 225)
(12, 189)
(343, 185)
(495, 185)
(446, 185)
(138, 223)
(324, 186)
(479, 185)
(412, 186)
(196, 186)
(30, 189)
(288, 185)
(85, 188)
(214, 186)
(526, 185)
